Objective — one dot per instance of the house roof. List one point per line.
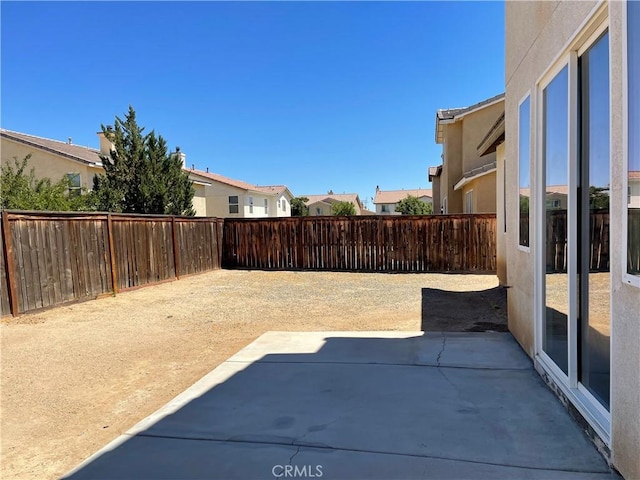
(85, 155)
(273, 189)
(493, 138)
(394, 196)
(634, 174)
(551, 189)
(266, 189)
(472, 175)
(434, 172)
(333, 197)
(450, 115)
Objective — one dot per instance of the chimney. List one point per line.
(183, 158)
(70, 141)
(207, 169)
(106, 145)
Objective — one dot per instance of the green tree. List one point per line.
(299, 207)
(343, 209)
(598, 198)
(20, 190)
(141, 176)
(414, 206)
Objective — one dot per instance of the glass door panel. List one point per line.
(555, 151)
(593, 217)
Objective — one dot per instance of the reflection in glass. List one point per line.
(523, 170)
(633, 196)
(555, 152)
(595, 289)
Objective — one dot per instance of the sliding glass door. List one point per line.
(576, 290)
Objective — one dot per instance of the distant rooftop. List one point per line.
(394, 196)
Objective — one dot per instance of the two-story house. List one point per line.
(466, 180)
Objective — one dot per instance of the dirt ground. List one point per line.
(75, 377)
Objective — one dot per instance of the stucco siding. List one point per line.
(625, 348)
(475, 127)
(47, 164)
(501, 244)
(199, 200)
(484, 193)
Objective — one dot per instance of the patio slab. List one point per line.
(360, 405)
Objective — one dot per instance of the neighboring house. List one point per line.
(572, 116)
(466, 180)
(386, 200)
(225, 197)
(215, 195)
(51, 158)
(320, 205)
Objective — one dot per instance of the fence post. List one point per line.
(112, 255)
(176, 254)
(9, 265)
(219, 229)
(300, 249)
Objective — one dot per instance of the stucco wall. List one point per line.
(484, 193)
(536, 33)
(625, 299)
(475, 127)
(501, 244)
(435, 189)
(452, 167)
(46, 164)
(199, 200)
(325, 209)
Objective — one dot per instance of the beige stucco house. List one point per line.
(572, 116)
(466, 180)
(51, 158)
(215, 195)
(386, 200)
(320, 205)
(225, 197)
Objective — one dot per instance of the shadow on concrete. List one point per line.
(479, 311)
(349, 405)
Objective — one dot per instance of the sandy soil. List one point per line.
(75, 377)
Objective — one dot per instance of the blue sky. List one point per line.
(315, 95)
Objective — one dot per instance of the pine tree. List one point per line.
(141, 176)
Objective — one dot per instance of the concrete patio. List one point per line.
(360, 405)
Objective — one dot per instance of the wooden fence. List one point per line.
(440, 243)
(53, 258)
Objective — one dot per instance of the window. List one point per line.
(633, 145)
(384, 208)
(444, 208)
(278, 203)
(284, 205)
(75, 186)
(468, 202)
(266, 206)
(233, 204)
(524, 183)
(250, 204)
(318, 211)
